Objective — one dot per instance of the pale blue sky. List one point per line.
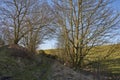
(116, 5)
(50, 44)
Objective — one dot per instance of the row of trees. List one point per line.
(80, 25)
(26, 22)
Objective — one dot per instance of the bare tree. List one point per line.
(26, 22)
(40, 26)
(84, 24)
(13, 14)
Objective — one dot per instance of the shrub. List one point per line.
(41, 52)
(1, 42)
(18, 51)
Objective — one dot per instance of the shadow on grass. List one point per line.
(22, 68)
(104, 69)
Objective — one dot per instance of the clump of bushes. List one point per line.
(19, 51)
(42, 52)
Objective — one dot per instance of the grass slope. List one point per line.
(19, 68)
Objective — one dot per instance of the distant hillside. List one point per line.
(107, 51)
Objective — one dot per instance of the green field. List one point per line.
(107, 57)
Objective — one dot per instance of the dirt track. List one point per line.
(61, 72)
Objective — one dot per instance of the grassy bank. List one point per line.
(19, 68)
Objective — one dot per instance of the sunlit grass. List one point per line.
(110, 63)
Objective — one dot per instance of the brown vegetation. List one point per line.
(17, 51)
